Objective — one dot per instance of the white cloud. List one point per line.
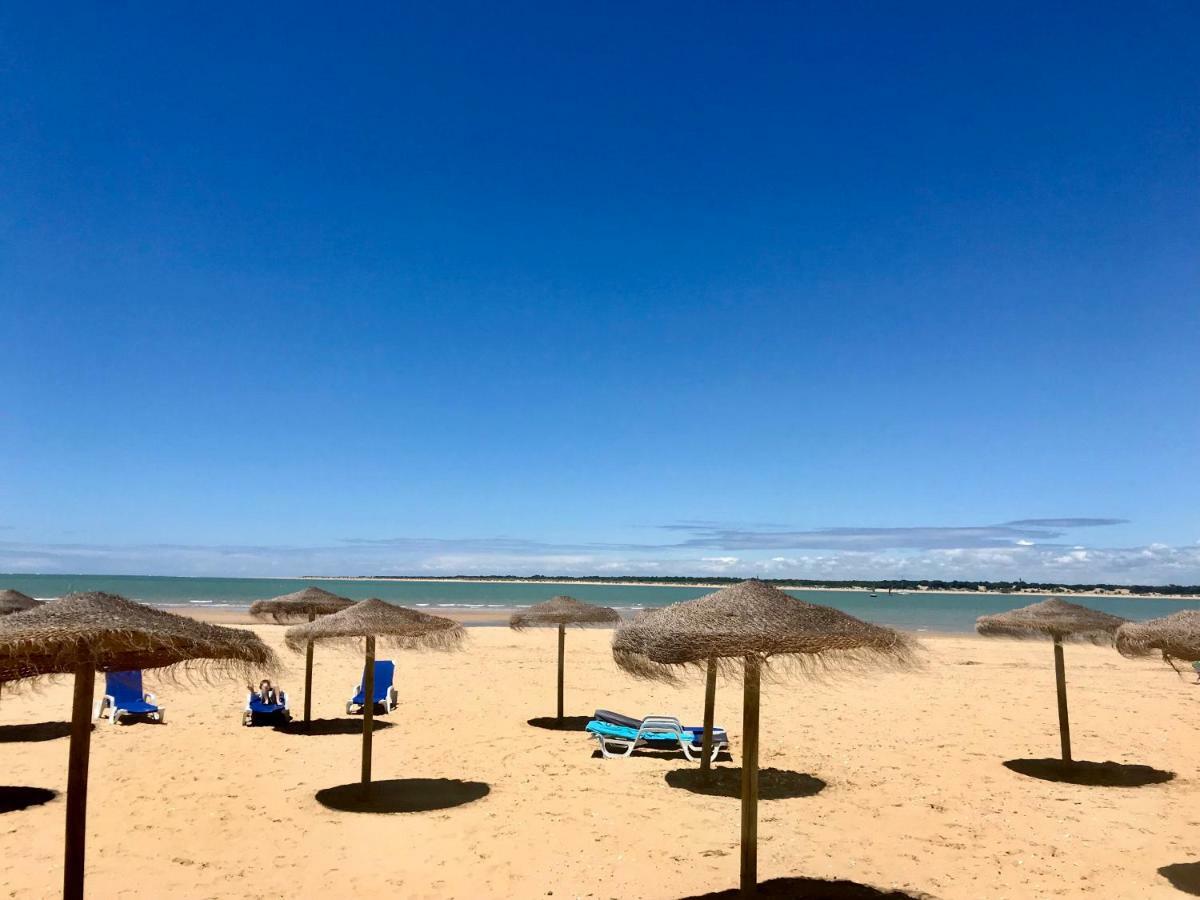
(1155, 563)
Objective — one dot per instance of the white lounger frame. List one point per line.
(248, 713)
(108, 704)
(616, 748)
(390, 702)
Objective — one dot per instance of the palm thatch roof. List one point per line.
(109, 633)
(1176, 636)
(14, 601)
(754, 619)
(390, 625)
(1053, 618)
(563, 610)
(299, 605)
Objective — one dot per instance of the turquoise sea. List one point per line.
(918, 611)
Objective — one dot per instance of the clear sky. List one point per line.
(813, 291)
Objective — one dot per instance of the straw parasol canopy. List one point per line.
(1060, 621)
(754, 619)
(390, 625)
(393, 626)
(107, 633)
(1176, 636)
(14, 601)
(560, 612)
(1054, 618)
(754, 625)
(90, 632)
(299, 606)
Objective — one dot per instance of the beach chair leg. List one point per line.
(115, 716)
(613, 748)
(161, 716)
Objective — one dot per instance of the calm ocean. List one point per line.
(915, 612)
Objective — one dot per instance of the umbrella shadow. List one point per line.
(773, 784)
(1092, 774)
(323, 727)
(1183, 877)
(34, 731)
(566, 723)
(14, 798)
(403, 795)
(814, 889)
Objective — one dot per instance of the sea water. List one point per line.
(917, 611)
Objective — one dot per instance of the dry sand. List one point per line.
(915, 796)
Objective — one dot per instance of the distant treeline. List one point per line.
(1003, 587)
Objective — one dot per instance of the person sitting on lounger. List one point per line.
(266, 692)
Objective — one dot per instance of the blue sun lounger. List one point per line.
(619, 735)
(385, 694)
(259, 713)
(123, 696)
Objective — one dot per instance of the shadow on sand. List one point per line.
(14, 798)
(667, 754)
(321, 727)
(773, 784)
(34, 731)
(566, 723)
(403, 795)
(1183, 877)
(813, 889)
(1093, 774)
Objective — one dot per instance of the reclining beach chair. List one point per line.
(259, 713)
(123, 696)
(619, 736)
(385, 695)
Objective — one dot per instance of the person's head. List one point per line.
(264, 685)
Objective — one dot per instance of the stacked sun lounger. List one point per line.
(619, 735)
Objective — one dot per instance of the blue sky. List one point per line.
(813, 291)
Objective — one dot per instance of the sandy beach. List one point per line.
(900, 783)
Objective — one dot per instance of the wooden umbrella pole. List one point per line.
(368, 714)
(308, 656)
(1060, 676)
(77, 782)
(562, 643)
(749, 883)
(710, 702)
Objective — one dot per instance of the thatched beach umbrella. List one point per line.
(562, 611)
(369, 621)
(301, 606)
(1176, 636)
(14, 601)
(85, 633)
(1060, 621)
(752, 623)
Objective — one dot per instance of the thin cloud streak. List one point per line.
(1009, 551)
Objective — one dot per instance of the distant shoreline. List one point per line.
(861, 589)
